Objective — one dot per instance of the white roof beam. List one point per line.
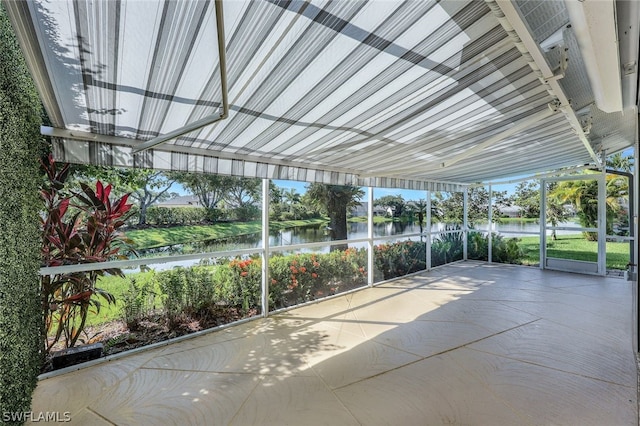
(594, 23)
(518, 30)
(203, 122)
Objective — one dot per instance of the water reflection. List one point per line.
(318, 233)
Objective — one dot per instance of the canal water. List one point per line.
(319, 233)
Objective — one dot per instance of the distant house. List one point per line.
(363, 208)
(510, 211)
(182, 201)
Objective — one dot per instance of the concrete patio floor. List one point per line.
(468, 343)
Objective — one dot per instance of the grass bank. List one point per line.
(519, 220)
(574, 247)
(159, 237)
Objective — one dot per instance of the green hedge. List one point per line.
(178, 215)
(303, 277)
(20, 149)
(398, 259)
(237, 283)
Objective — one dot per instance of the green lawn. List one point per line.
(519, 220)
(577, 248)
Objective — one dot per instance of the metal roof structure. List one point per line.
(407, 94)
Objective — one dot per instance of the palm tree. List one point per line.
(292, 199)
(419, 208)
(619, 162)
(583, 195)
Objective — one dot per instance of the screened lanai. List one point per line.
(431, 96)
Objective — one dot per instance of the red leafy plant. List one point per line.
(78, 228)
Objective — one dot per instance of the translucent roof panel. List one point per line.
(418, 94)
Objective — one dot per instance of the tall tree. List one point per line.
(21, 321)
(527, 197)
(450, 205)
(419, 209)
(335, 201)
(146, 186)
(242, 192)
(292, 200)
(291, 196)
(242, 195)
(556, 213)
(210, 189)
(393, 202)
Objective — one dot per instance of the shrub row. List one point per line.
(502, 250)
(236, 284)
(398, 259)
(193, 215)
(296, 278)
(181, 215)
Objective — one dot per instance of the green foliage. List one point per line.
(245, 213)
(20, 148)
(620, 162)
(416, 210)
(395, 202)
(450, 205)
(447, 247)
(239, 283)
(527, 197)
(583, 195)
(506, 250)
(287, 204)
(303, 277)
(238, 194)
(176, 215)
(336, 201)
(398, 259)
(209, 189)
(502, 250)
(186, 291)
(146, 186)
(90, 235)
(139, 300)
(242, 192)
(477, 246)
